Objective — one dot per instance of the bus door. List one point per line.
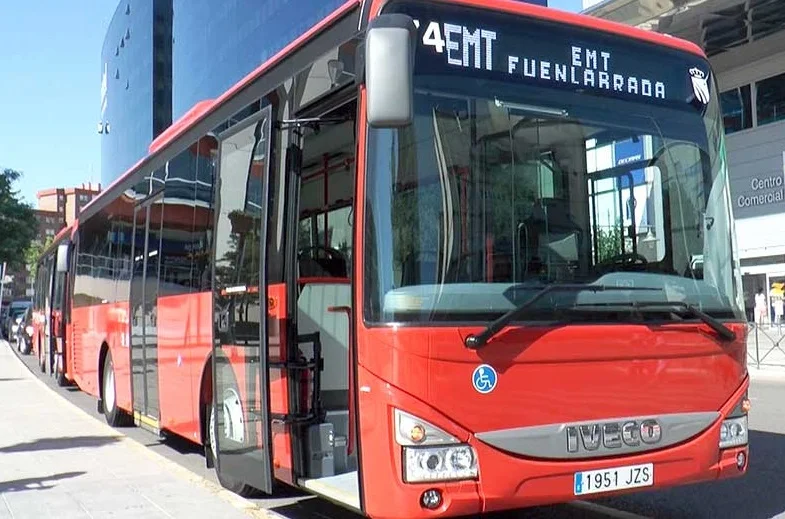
(60, 314)
(47, 284)
(143, 310)
(239, 423)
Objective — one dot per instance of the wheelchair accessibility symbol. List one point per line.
(484, 379)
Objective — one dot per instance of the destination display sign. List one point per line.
(491, 45)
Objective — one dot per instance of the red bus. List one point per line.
(51, 306)
(433, 254)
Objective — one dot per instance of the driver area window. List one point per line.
(324, 239)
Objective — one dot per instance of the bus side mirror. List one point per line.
(62, 257)
(389, 68)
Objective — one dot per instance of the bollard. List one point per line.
(757, 350)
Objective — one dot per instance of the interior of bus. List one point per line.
(324, 261)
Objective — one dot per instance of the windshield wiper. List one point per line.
(677, 307)
(723, 331)
(475, 342)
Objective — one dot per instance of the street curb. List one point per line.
(249, 507)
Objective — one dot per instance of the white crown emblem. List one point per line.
(697, 73)
(700, 84)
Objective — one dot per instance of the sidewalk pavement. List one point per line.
(58, 461)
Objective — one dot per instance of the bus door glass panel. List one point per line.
(153, 260)
(136, 308)
(48, 306)
(143, 307)
(240, 355)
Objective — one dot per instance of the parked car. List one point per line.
(15, 311)
(24, 332)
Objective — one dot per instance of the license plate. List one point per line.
(617, 478)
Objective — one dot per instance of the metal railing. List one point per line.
(766, 344)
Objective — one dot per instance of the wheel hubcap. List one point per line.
(109, 389)
(211, 433)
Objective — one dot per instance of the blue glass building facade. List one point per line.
(217, 43)
(161, 57)
(136, 83)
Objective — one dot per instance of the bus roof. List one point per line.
(203, 109)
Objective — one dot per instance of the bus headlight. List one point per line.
(439, 463)
(431, 454)
(733, 432)
(410, 430)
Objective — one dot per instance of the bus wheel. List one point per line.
(226, 481)
(113, 414)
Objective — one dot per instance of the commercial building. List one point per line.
(217, 43)
(136, 83)
(57, 208)
(745, 42)
(67, 202)
(160, 57)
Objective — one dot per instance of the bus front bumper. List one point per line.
(506, 481)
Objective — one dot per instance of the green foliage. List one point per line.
(34, 251)
(609, 242)
(18, 224)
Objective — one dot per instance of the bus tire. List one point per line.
(113, 414)
(229, 483)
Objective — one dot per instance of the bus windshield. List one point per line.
(501, 187)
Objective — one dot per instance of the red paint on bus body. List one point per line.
(507, 481)
(184, 346)
(566, 374)
(278, 351)
(94, 327)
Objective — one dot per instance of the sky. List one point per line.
(50, 78)
(50, 84)
(566, 5)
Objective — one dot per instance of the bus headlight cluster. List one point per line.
(431, 454)
(439, 463)
(733, 432)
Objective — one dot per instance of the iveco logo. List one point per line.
(612, 435)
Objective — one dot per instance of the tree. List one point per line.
(609, 242)
(34, 251)
(18, 224)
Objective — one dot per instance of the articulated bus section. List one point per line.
(450, 260)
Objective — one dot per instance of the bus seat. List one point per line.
(333, 327)
(310, 268)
